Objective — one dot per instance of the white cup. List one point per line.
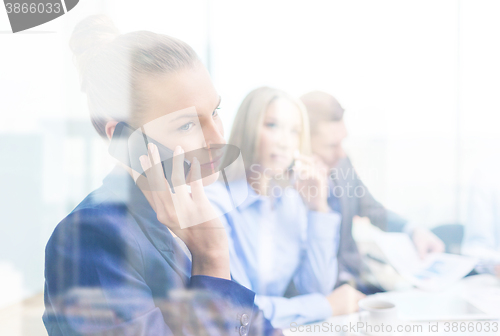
(375, 311)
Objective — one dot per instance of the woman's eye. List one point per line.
(270, 125)
(186, 127)
(215, 113)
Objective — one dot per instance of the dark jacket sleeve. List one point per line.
(94, 285)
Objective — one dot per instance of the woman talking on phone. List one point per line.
(284, 231)
(118, 263)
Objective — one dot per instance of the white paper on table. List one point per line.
(437, 271)
(483, 291)
(489, 259)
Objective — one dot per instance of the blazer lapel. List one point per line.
(122, 185)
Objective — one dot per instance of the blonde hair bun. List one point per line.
(89, 37)
(113, 68)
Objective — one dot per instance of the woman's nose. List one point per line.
(213, 134)
(284, 139)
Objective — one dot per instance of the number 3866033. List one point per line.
(32, 8)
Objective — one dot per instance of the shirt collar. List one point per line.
(252, 197)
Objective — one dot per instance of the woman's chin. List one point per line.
(210, 179)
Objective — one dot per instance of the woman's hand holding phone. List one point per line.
(206, 239)
(312, 182)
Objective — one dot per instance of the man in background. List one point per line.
(327, 133)
(482, 223)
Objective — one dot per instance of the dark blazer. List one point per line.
(356, 200)
(112, 269)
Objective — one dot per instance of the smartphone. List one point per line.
(127, 146)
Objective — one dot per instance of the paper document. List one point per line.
(437, 271)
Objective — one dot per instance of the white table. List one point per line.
(483, 291)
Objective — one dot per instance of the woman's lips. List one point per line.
(213, 161)
(209, 158)
(213, 164)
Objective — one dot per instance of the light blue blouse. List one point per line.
(274, 240)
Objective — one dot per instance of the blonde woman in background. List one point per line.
(284, 231)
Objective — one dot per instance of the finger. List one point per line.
(318, 164)
(164, 209)
(154, 175)
(302, 171)
(437, 247)
(316, 174)
(421, 249)
(161, 207)
(197, 191)
(316, 168)
(146, 188)
(178, 177)
(151, 165)
(321, 167)
(317, 158)
(160, 190)
(164, 194)
(360, 297)
(146, 166)
(145, 163)
(305, 160)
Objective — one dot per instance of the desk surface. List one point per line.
(25, 318)
(483, 291)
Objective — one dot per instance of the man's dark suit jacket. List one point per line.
(112, 269)
(356, 200)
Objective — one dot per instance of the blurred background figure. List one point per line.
(349, 196)
(482, 226)
(285, 230)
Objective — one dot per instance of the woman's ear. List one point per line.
(110, 128)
